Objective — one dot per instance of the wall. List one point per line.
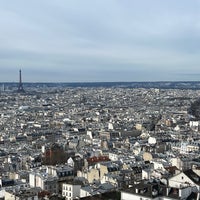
(71, 191)
(92, 175)
(179, 180)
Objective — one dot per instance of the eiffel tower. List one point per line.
(20, 86)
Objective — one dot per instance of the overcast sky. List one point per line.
(99, 40)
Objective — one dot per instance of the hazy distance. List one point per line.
(100, 40)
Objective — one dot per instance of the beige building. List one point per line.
(147, 156)
(181, 163)
(108, 167)
(90, 175)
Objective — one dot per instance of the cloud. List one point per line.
(112, 37)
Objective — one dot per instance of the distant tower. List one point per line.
(20, 86)
(3, 88)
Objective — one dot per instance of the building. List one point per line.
(44, 181)
(71, 191)
(154, 189)
(28, 194)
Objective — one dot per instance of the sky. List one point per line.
(99, 40)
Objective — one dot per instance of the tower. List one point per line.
(20, 86)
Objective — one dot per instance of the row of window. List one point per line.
(66, 173)
(67, 188)
(67, 194)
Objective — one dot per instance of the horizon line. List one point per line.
(101, 81)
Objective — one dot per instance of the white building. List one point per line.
(152, 140)
(194, 125)
(184, 179)
(113, 156)
(86, 191)
(151, 189)
(70, 191)
(44, 181)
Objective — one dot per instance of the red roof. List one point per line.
(98, 159)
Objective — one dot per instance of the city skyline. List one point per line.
(100, 41)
